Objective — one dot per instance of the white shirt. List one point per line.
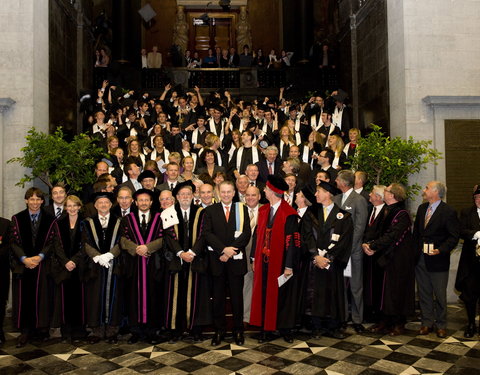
(147, 216)
(377, 211)
(275, 207)
(301, 211)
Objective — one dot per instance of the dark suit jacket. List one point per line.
(216, 169)
(443, 230)
(220, 234)
(128, 184)
(263, 168)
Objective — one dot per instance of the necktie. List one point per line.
(372, 218)
(428, 216)
(270, 168)
(271, 216)
(252, 183)
(144, 222)
(185, 231)
(252, 218)
(59, 212)
(124, 212)
(171, 187)
(287, 198)
(325, 214)
(103, 221)
(197, 202)
(227, 212)
(34, 219)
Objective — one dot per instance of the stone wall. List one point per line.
(23, 78)
(434, 49)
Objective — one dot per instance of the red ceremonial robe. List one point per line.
(278, 245)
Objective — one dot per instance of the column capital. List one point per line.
(5, 104)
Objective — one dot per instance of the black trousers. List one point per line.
(235, 284)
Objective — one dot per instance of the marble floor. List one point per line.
(366, 354)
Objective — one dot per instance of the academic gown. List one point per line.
(103, 286)
(468, 274)
(397, 257)
(143, 290)
(188, 301)
(68, 287)
(372, 272)
(325, 287)
(275, 248)
(30, 292)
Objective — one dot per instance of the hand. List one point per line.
(36, 259)
(142, 250)
(321, 262)
(187, 257)
(168, 87)
(197, 89)
(96, 259)
(434, 252)
(230, 251)
(70, 266)
(105, 84)
(131, 92)
(282, 89)
(287, 272)
(224, 258)
(29, 263)
(367, 250)
(113, 87)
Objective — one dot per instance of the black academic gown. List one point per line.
(397, 257)
(30, 292)
(372, 272)
(143, 289)
(103, 286)
(188, 287)
(325, 290)
(468, 274)
(68, 288)
(4, 267)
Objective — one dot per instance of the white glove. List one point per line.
(476, 236)
(105, 259)
(97, 258)
(108, 257)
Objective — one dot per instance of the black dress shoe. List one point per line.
(359, 328)
(316, 334)
(198, 337)
(288, 337)
(239, 338)
(336, 334)
(22, 340)
(217, 338)
(93, 339)
(469, 331)
(262, 337)
(133, 339)
(112, 339)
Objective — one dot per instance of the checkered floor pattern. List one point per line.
(366, 354)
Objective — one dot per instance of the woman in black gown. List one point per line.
(66, 266)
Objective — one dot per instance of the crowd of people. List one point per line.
(204, 198)
(219, 58)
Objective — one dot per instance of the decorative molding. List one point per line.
(452, 101)
(5, 104)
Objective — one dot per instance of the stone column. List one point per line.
(244, 35)
(25, 79)
(5, 104)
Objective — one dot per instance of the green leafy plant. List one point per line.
(53, 159)
(387, 160)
